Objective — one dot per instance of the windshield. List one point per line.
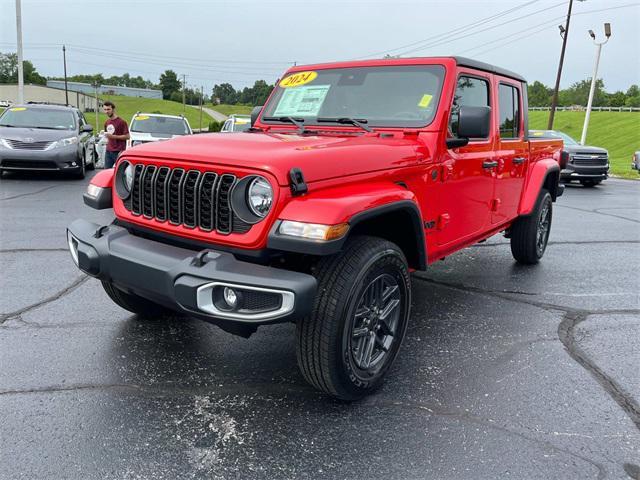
(553, 134)
(24, 117)
(391, 96)
(241, 124)
(159, 125)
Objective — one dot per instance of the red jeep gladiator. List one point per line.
(351, 176)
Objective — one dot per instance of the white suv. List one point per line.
(236, 123)
(153, 127)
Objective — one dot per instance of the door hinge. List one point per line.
(443, 221)
(495, 204)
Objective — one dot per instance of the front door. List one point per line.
(468, 179)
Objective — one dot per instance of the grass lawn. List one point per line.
(231, 109)
(126, 107)
(618, 132)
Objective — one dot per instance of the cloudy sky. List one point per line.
(243, 40)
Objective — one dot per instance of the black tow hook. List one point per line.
(204, 257)
(101, 231)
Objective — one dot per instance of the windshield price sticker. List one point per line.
(18, 109)
(142, 117)
(425, 101)
(305, 101)
(298, 79)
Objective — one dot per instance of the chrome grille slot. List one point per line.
(136, 187)
(206, 201)
(147, 191)
(174, 193)
(189, 196)
(160, 193)
(224, 215)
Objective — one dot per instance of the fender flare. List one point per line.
(327, 207)
(538, 176)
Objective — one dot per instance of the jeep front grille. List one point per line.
(190, 198)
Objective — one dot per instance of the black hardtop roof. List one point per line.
(486, 67)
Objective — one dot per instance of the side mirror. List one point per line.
(255, 113)
(87, 128)
(473, 122)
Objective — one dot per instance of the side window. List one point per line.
(509, 99)
(470, 91)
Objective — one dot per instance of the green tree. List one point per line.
(539, 94)
(225, 93)
(169, 84)
(9, 70)
(616, 99)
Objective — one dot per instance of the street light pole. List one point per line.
(594, 78)
(64, 59)
(564, 32)
(20, 59)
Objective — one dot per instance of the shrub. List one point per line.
(215, 126)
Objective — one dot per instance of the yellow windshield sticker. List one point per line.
(18, 109)
(425, 101)
(298, 79)
(241, 121)
(538, 134)
(142, 117)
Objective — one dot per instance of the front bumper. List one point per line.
(64, 158)
(184, 280)
(585, 172)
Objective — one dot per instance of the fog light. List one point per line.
(73, 248)
(230, 297)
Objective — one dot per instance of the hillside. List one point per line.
(231, 109)
(618, 132)
(126, 108)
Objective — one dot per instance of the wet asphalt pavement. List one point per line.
(506, 371)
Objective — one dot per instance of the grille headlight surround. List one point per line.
(123, 180)
(252, 198)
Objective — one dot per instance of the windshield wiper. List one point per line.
(358, 122)
(298, 122)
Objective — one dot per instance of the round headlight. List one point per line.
(259, 196)
(127, 177)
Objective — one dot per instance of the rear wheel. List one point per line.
(529, 235)
(134, 303)
(359, 319)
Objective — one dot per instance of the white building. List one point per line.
(40, 93)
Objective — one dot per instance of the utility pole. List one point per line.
(594, 78)
(201, 102)
(95, 85)
(20, 65)
(64, 59)
(564, 33)
(184, 98)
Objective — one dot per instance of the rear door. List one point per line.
(512, 150)
(467, 180)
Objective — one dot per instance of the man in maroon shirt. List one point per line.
(117, 133)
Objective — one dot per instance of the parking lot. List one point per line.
(506, 372)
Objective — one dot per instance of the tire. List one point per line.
(134, 303)
(82, 169)
(590, 183)
(346, 345)
(89, 154)
(530, 235)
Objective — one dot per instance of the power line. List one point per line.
(477, 23)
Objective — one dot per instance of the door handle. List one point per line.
(489, 164)
(518, 160)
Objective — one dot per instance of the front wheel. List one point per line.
(529, 235)
(359, 319)
(90, 158)
(81, 170)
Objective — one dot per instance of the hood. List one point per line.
(585, 149)
(320, 157)
(151, 137)
(30, 135)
